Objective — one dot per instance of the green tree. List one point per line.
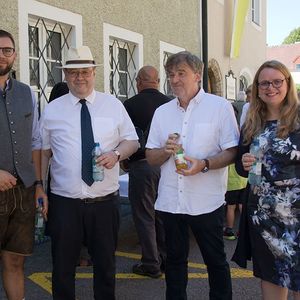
(293, 37)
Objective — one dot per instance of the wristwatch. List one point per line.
(117, 153)
(206, 167)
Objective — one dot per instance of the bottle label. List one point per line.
(40, 222)
(258, 167)
(180, 161)
(98, 171)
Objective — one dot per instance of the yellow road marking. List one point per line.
(43, 279)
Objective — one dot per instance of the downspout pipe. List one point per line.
(204, 44)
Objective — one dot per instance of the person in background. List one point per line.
(239, 103)
(234, 197)
(20, 171)
(272, 211)
(246, 106)
(193, 198)
(82, 210)
(59, 89)
(143, 178)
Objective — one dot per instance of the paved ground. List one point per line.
(131, 286)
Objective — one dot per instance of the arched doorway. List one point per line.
(215, 82)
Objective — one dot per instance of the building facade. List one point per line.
(125, 35)
(288, 55)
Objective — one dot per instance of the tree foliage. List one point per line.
(293, 37)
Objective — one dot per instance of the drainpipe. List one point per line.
(204, 44)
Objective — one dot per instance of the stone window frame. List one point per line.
(31, 9)
(115, 33)
(166, 49)
(256, 10)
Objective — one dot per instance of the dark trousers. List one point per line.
(208, 231)
(143, 185)
(72, 222)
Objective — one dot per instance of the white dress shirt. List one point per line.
(61, 132)
(207, 127)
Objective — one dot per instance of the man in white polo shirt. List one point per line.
(193, 197)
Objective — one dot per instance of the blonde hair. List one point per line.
(256, 117)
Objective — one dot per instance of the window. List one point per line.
(243, 83)
(45, 34)
(166, 84)
(47, 43)
(255, 8)
(123, 69)
(166, 50)
(297, 68)
(123, 57)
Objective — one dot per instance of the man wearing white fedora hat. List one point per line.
(81, 210)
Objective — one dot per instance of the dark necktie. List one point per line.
(87, 144)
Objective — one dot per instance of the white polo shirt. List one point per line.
(61, 132)
(207, 127)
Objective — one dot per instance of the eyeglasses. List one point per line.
(276, 83)
(7, 51)
(84, 74)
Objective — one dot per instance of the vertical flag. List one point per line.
(240, 12)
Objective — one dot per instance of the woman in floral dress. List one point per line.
(273, 209)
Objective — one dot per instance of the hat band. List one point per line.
(69, 62)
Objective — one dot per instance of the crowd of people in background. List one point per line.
(168, 202)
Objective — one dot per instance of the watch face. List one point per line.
(117, 153)
(205, 170)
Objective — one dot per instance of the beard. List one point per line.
(4, 70)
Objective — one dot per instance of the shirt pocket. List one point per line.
(103, 129)
(204, 138)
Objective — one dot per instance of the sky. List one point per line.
(282, 18)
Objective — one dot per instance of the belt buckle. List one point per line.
(88, 200)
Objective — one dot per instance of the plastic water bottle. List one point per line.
(254, 176)
(39, 223)
(98, 171)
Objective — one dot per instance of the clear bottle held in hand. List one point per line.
(179, 159)
(255, 173)
(39, 233)
(98, 171)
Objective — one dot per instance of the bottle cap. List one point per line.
(40, 201)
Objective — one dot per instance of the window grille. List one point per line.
(166, 84)
(123, 68)
(256, 11)
(48, 41)
(243, 83)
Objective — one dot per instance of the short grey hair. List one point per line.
(193, 61)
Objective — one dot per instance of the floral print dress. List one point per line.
(274, 210)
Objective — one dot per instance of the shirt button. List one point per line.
(15, 142)
(9, 112)
(16, 152)
(16, 162)
(13, 131)
(11, 122)
(180, 191)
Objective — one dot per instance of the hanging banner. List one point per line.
(240, 12)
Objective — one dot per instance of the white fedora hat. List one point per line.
(80, 57)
